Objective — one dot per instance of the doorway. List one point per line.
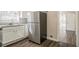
(67, 27)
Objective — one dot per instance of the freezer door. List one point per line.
(34, 32)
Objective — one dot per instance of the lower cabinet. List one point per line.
(8, 34)
(20, 32)
(12, 33)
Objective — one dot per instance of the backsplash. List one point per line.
(7, 17)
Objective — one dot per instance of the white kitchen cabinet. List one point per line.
(26, 30)
(14, 33)
(8, 34)
(20, 32)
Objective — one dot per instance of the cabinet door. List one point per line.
(8, 34)
(26, 30)
(20, 32)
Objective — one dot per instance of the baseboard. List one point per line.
(53, 39)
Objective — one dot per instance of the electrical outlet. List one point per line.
(51, 36)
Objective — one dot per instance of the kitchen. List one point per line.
(14, 26)
(33, 29)
(11, 28)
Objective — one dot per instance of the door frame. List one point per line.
(77, 29)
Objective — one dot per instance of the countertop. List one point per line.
(4, 26)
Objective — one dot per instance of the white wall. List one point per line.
(52, 18)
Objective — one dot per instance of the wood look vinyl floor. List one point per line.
(70, 37)
(46, 43)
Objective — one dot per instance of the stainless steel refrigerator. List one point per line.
(37, 26)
